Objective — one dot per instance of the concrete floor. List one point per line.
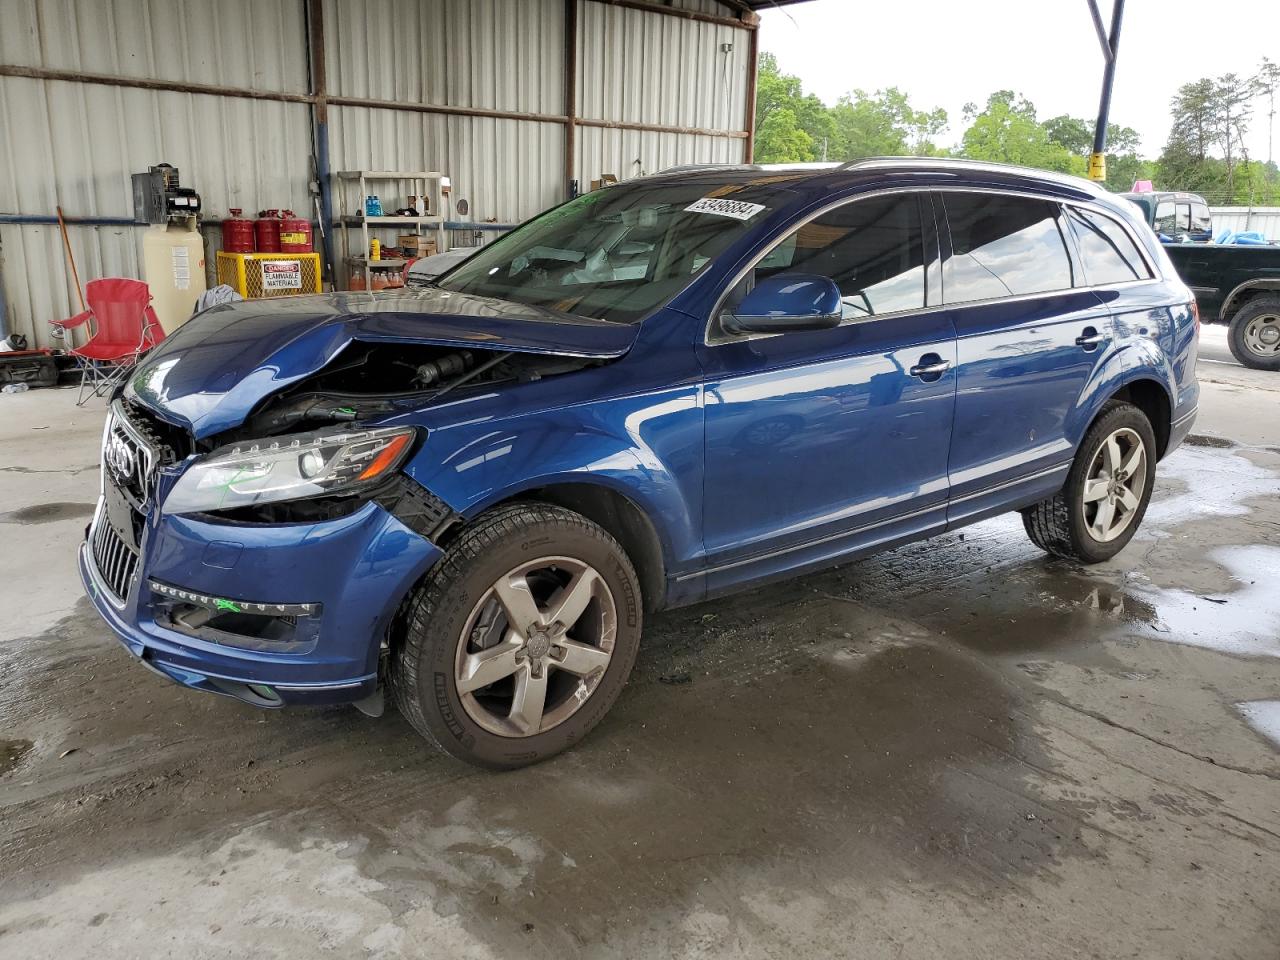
(957, 749)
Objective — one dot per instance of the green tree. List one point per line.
(1183, 163)
(1205, 151)
(1124, 165)
(1267, 82)
(790, 124)
(1007, 130)
(781, 139)
(1232, 108)
(1077, 136)
(883, 124)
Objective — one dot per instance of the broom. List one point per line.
(71, 260)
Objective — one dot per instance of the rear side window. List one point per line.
(1107, 252)
(1003, 246)
(1201, 221)
(873, 249)
(1172, 218)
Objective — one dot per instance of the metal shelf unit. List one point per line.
(426, 184)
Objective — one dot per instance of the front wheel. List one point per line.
(520, 639)
(1099, 508)
(1254, 335)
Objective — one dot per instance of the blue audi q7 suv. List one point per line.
(470, 495)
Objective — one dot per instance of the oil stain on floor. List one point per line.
(47, 513)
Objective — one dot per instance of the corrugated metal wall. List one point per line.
(1266, 220)
(639, 68)
(489, 54)
(75, 144)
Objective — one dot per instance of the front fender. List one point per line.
(647, 447)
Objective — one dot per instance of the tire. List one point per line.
(1251, 332)
(1064, 525)
(457, 617)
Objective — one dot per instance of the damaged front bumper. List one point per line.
(269, 614)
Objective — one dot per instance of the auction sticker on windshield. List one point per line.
(737, 209)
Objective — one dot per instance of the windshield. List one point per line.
(616, 253)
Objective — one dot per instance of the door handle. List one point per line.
(930, 371)
(1090, 339)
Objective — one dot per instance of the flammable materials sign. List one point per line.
(281, 274)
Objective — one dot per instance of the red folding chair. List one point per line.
(122, 327)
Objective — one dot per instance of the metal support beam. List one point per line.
(748, 20)
(1110, 51)
(144, 83)
(570, 95)
(753, 71)
(320, 130)
(661, 128)
(214, 90)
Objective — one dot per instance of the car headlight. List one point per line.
(289, 468)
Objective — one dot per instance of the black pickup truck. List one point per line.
(1234, 284)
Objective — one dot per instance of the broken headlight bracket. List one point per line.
(420, 510)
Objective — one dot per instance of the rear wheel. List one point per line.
(1254, 335)
(1099, 508)
(520, 639)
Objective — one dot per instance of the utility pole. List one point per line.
(1110, 49)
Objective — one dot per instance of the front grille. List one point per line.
(131, 455)
(170, 443)
(116, 561)
(128, 460)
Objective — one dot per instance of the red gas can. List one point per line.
(295, 234)
(267, 231)
(237, 233)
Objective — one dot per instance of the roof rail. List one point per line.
(1052, 176)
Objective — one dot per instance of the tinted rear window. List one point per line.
(1172, 218)
(1109, 255)
(1003, 246)
(1201, 221)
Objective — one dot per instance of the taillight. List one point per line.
(1195, 312)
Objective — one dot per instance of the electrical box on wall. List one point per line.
(157, 196)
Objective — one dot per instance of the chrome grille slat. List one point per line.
(132, 453)
(128, 456)
(115, 560)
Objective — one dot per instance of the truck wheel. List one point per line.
(1099, 508)
(1255, 334)
(520, 639)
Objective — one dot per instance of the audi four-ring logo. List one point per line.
(120, 457)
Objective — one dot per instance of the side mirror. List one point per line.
(787, 301)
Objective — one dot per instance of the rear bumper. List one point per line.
(355, 570)
(1180, 429)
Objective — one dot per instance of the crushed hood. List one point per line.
(218, 366)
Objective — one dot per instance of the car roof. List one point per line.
(1164, 195)
(872, 169)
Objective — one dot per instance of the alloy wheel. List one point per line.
(1114, 485)
(536, 646)
(1262, 335)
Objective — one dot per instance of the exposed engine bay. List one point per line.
(376, 379)
(370, 381)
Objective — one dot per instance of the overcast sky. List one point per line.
(944, 53)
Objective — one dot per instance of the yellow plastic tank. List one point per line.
(173, 266)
